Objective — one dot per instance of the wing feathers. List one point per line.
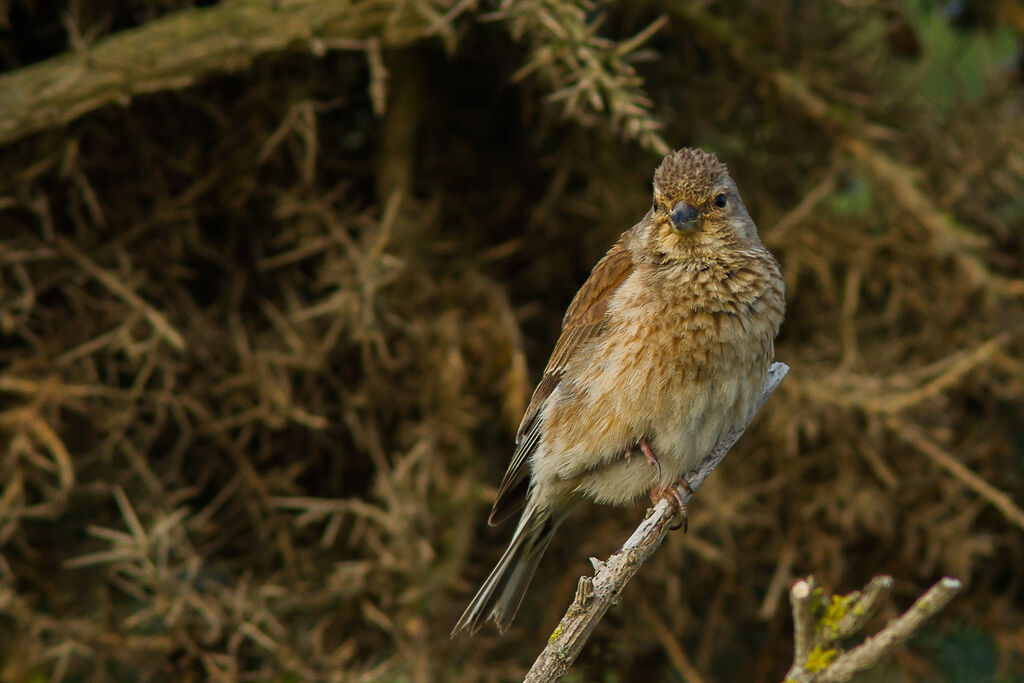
(583, 321)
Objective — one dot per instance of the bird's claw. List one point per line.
(649, 455)
(675, 500)
(652, 459)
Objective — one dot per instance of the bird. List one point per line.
(663, 350)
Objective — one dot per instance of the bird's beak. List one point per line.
(685, 217)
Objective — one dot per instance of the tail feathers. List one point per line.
(500, 595)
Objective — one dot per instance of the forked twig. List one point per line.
(821, 623)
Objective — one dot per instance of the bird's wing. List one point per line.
(583, 321)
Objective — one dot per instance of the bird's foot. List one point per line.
(652, 459)
(675, 500)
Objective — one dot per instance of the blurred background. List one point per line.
(277, 278)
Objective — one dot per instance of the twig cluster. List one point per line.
(590, 76)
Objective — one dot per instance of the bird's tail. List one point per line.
(501, 593)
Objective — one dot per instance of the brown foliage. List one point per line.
(266, 338)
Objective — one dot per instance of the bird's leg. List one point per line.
(674, 498)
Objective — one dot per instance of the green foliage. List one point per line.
(854, 200)
(956, 65)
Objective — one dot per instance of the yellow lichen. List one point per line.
(819, 598)
(834, 612)
(818, 659)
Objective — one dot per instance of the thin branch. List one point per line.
(821, 623)
(993, 496)
(865, 606)
(595, 595)
(680, 662)
(897, 632)
(780, 578)
(160, 323)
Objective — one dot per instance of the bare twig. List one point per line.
(989, 493)
(589, 75)
(821, 623)
(680, 662)
(868, 653)
(802, 596)
(864, 606)
(596, 594)
(160, 324)
(780, 578)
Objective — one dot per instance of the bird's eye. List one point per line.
(719, 201)
(655, 205)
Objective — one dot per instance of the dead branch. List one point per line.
(159, 322)
(176, 51)
(594, 595)
(821, 623)
(963, 474)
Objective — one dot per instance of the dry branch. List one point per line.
(595, 595)
(176, 51)
(821, 623)
(589, 75)
(159, 322)
(963, 474)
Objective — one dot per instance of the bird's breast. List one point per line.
(678, 364)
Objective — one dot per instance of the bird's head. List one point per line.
(697, 207)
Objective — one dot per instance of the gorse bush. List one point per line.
(276, 280)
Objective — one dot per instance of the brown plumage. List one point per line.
(663, 349)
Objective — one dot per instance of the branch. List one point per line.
(821, 623)
(180, 49)
(998, 499)
(594, 595)
(160, 324)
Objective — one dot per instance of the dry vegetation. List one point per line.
(267, 330)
